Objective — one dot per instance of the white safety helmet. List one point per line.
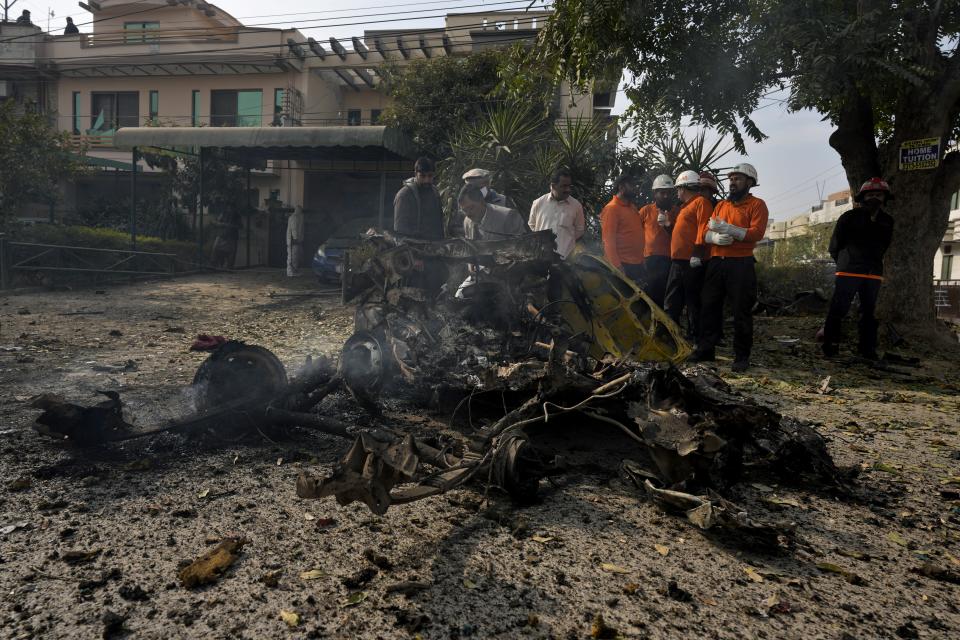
(663, 181)
(688, 179)
(746, 169)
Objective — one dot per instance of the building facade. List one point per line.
(191, 64)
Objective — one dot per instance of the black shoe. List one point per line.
(703, 356)
(739, 366)
(830, 350)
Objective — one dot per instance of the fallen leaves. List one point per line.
(542, 539)
(782, 502)
(290, 617)
(662, 549)
(313, 574)
(613, 568)
(886, 468)
(937, 572)
(752, 574)
(355, 598)
(896, 538)
(600, 630)
(79, 557)
(847, 575)
(10, 528)
(20, 484)
(210, 566)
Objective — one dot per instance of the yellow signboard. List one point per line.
(920, 154)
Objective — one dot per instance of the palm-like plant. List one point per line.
(673, 153)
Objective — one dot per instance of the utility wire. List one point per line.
(231, 50)
(293, 27)
(81, 24)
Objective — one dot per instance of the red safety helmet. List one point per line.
(874, 184)
(709, 181)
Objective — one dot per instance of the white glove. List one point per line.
(719, 239)
(696, 262)
(662, 220)
(721, 226)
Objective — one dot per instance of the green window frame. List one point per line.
(236, 108)
(134, 32)
(77, 116)
(195, 109)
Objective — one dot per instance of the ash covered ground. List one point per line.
(91, 542)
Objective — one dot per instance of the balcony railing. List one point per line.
(91, 141)
(165, 36)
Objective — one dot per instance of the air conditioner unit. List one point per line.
(6, 88)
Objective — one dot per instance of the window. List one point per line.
(195, 110)
(114, 110)
(601, 99)
(236, 108)
(77, 118)
(955, 201)
(141, 31)
(353, 117)
(946, 268)
(154, 106)
(278, 100)
(841, 202)
(375, 116)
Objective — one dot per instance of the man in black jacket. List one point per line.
(417, 212)
(859, 241)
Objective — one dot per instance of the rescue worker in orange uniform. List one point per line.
(622, 230)
(658, 218)
(738, 223)
(687, 251)
(859, 242)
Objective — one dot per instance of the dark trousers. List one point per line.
(733, 279)
(684, 288)
(867, 289)
(658, 269)
(635, 272)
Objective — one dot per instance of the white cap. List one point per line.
(477, 173)
(688, 178)
(746, 169)
(663, 181)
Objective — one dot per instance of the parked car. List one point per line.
(328, 260)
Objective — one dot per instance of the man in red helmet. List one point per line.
(860, 239)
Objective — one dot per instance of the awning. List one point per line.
(252, 144)
(94, 161)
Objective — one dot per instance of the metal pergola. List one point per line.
(254, 146)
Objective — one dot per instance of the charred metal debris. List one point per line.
(532, 343)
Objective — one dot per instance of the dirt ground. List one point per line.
(91, 543)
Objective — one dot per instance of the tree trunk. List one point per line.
(920, 219)
(920, 209)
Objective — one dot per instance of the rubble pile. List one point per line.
(528, 341)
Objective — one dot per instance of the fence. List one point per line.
(28, 260)
(946, 298)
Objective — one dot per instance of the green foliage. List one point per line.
(432, 99)
(100, 238)
(521, 149)
(808, 247)
(33, 157)
(713, 60)
(800, 263)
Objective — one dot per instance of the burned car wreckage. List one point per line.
(533, 344)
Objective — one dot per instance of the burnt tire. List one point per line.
(238, 372)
